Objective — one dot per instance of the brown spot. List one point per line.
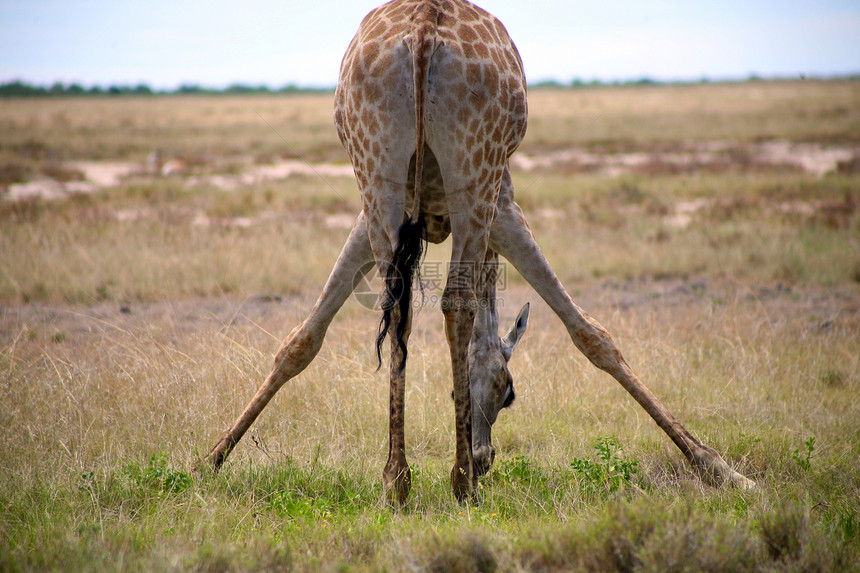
(469, 51)
(481, 132)
(482, 51)
(480, 210)
(478, 158)
(519, 107)
(477, 222)
(474, 73)
(373, 90)
(504, 95)
(488, 159)
(501, 32)
(484, 33)
(467, 14)
(463, 116)
(467, 34)
(367, 117)
(490, 209)
(354, 101)
(370, 51)
(474, 124)
(382, 64)
(491, 77)
(400, 12)
(478, 101)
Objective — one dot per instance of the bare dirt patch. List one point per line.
(239, 173)
(98, 175)
(815, 159)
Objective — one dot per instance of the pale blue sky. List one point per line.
(215, 43)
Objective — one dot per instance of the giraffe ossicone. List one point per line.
(430, 105)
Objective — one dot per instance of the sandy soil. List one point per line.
(806, 158)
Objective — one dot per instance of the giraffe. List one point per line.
(430, 105)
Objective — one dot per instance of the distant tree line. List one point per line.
(648, 81)
(18, 88)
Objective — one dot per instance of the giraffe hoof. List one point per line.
(216, 457)
(464, 485)
(397, 482)
(483, 458)
(714, 470)
(723, 475)
(740, 481)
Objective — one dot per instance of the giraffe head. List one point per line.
(491, 384)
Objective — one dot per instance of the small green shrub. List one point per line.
(157, 476)
(803, 460)
(519, 470)
(609, 473)
(296, 506)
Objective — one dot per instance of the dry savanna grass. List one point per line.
(138, 318)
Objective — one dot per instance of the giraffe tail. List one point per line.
(398, 284)
(412, 234)
(422, 42)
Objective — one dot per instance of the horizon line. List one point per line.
(251, 87)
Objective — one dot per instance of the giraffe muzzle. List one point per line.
(483, 457)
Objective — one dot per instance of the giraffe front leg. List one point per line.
(459, 305)
(396, 476)
(511, 237)
(302, 344)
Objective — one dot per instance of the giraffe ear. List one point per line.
(512, 338)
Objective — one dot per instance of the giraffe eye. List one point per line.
(510, 396)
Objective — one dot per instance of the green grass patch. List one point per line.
(299, 516)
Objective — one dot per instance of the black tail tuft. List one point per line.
(398, 282)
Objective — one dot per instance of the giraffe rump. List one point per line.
(399, 278)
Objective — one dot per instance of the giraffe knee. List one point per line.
(298, 350)
(595, 342)
(458, 302)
